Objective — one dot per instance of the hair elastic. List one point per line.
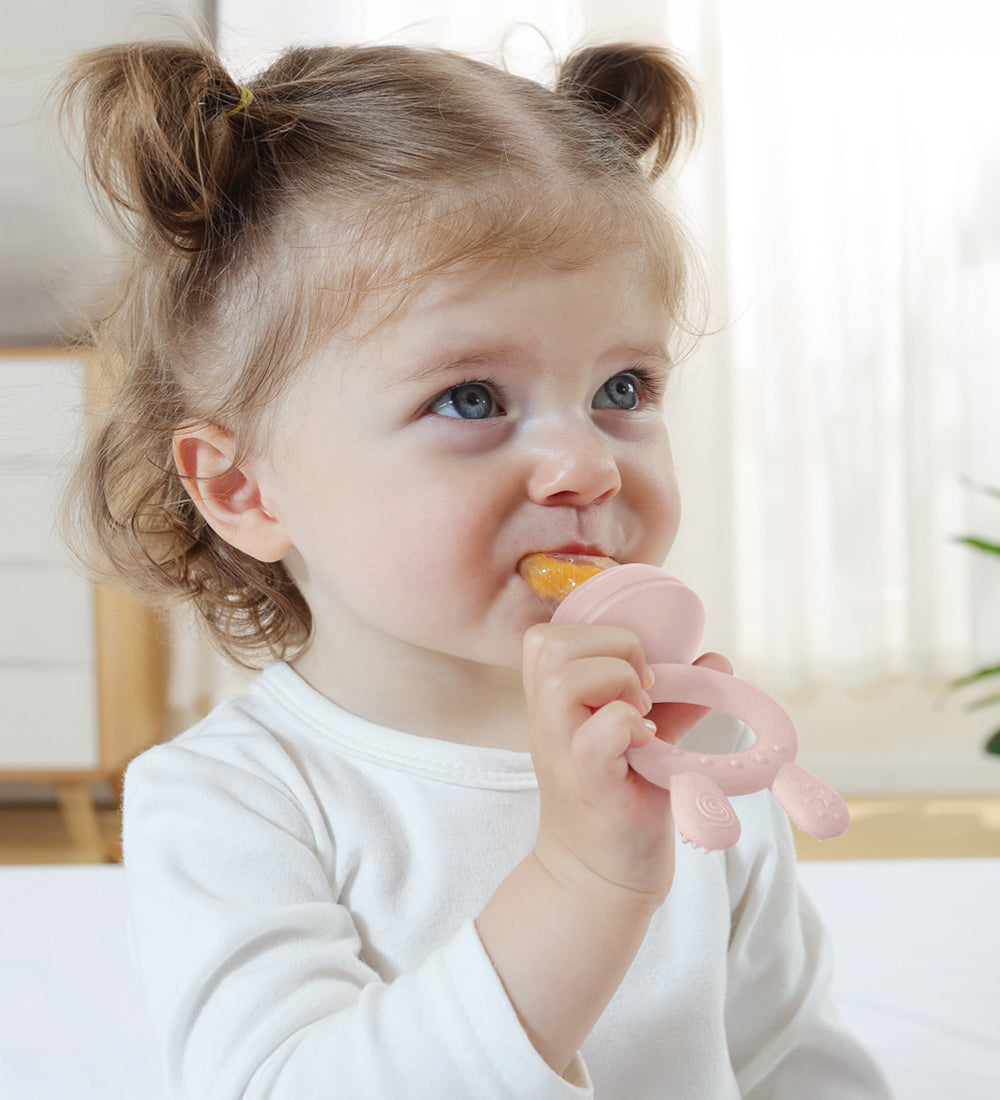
(246, 98)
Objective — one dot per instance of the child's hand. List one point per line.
(600, 821)
(563, 927)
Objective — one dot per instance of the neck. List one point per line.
(423, 693)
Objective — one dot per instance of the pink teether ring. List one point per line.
(670, 621)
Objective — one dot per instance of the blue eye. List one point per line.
(469, 401)
(620, 392)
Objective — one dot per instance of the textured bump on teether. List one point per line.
(702, 813)
(816, 808)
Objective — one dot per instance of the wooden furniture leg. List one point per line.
(80, 815)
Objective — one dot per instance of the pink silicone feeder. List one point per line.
(670, 622)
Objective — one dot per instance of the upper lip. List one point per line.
(581, 549)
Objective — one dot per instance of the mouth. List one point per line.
(552, 575)
(577, 550)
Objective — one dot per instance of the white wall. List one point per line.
(54, 257)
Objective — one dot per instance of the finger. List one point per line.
(601, 742)
(715, 661)
(673, 720)
(548, 646)
(570, 692)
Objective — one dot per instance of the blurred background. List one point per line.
(836, 430)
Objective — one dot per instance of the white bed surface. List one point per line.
(72, 1022)
(917, 945)
(918, 967)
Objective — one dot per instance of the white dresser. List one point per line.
(80, 666)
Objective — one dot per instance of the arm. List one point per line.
(564, 927)
(780, 957)
(254, 970)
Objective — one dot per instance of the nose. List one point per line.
(573, 466)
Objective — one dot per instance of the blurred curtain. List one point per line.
(846, 196)
(849, 191)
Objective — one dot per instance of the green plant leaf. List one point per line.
(979, 544)
(979, 487)
(986, 701)
(975, 677)
(985, 546)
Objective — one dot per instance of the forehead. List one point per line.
(377, 251)
(485, 289)
(498, 312)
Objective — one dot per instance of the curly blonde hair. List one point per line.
(260, 218)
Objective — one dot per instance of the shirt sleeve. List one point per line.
(254, 973)
(786, 1040)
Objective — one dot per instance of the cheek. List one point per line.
(412, 539)
(656, 497)
(667, 522)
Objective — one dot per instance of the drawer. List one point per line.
(48, 719)
(48, 617)
(29, 502)
(41, 407)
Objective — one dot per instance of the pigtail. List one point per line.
(642, 92)
(167, 136)
(179, 157)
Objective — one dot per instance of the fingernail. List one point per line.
(648, 677)
(651, 726)
(647, 702)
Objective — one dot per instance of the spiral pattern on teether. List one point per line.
(715, 808)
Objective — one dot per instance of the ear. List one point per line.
(226, 494)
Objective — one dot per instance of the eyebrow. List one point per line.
(645, 351)
(449, 362)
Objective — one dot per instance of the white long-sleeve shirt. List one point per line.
(303, 885)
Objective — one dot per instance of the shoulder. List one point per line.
(253, 730)
(237, 730)
(246, 752)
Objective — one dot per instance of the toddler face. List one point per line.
(505, 409)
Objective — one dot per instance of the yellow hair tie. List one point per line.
(246, 98)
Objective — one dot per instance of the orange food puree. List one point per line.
(553, 576)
